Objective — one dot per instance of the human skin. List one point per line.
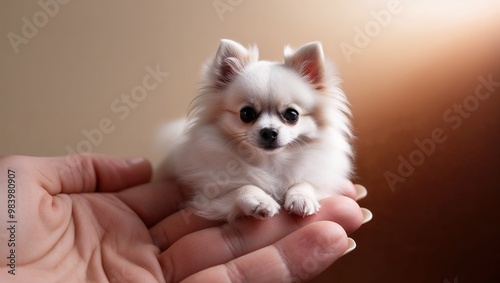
(94, 218)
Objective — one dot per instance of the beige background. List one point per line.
(438, 223)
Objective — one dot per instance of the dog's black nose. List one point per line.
(269, 135)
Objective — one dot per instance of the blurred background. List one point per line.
(423, 79)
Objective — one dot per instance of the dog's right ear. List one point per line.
(230, 59)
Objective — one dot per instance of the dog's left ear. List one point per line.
(308, 61)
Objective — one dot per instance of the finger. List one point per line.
(153, 201)
(185, 222)
(340, 209)
(347, 188)
(299, 256)
(226, 242)
(91, 172)
(361, 192)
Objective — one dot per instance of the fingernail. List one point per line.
(351, 245)
(367, 215)
(135, 160)
(361, 192)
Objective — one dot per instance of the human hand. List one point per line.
(97, 219)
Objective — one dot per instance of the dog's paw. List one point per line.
(301, 201)
(259, 206)
(266, 210)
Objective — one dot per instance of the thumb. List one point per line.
(92, 172)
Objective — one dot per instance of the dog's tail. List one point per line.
(168, 137)
(171, 133)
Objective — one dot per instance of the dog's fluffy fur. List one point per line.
(262, 135)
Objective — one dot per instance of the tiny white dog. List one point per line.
(262, 135)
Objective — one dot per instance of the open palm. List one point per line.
(98, 219)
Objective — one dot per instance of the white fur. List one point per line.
(221, 160)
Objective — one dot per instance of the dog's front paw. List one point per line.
(266, 209)
(301, 200)
(259, 205)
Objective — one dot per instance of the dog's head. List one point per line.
(268, 105)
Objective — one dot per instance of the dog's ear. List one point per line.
(308, 61)
(230, 59)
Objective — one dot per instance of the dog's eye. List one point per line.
(291, 115)
(248, 114)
